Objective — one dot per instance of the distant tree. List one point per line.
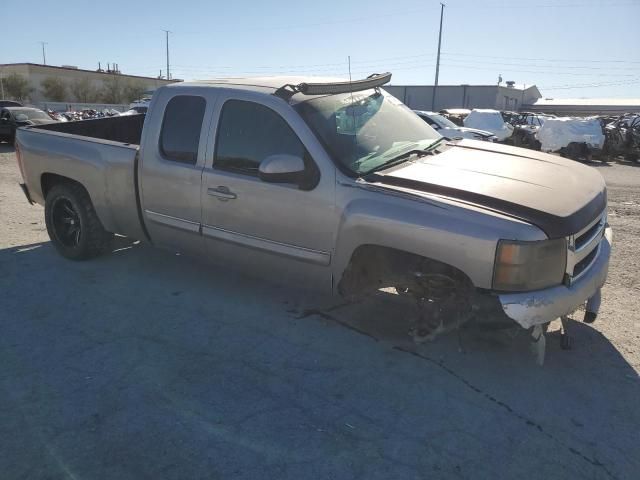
(84, 91)
(132, 91)
(17, 87)
(54, 89)
(112, 91)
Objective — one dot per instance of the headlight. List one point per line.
(523, 266)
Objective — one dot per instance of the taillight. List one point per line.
(19, 159)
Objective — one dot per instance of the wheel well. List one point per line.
(49, 180)
(372, 267)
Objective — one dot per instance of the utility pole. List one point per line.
(1, 86)
(44, 57)
(167, 32)
(435, 85)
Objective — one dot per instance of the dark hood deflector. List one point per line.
(500, 197)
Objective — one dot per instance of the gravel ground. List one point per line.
(144, 364)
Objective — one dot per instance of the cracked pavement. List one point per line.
(146, 364)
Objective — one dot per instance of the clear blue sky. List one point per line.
(569, 48)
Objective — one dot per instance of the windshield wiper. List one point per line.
(398, 159)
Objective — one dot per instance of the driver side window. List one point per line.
(248, 133)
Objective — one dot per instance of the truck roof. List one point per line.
(267, 85)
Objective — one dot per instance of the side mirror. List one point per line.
(282, 168)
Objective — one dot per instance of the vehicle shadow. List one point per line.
(157, 356)
(6, 148)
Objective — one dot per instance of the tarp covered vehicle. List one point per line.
(491, 121)
(575, 138)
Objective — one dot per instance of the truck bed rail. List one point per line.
(125, 129)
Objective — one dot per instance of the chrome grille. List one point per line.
(583, 248)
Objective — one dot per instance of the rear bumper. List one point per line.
(25, 190)
(542, 306)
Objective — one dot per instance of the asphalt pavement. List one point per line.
(147, 364)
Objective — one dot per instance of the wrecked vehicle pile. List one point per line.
(526, 126)
(623, 137)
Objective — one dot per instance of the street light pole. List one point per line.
(44, 57)
(167, 32)
(435, 85)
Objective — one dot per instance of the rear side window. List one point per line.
(248, 133)
(181, 127)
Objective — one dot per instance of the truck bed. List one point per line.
(125, 129)
(101, 155)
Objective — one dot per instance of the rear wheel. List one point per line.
(72, 223)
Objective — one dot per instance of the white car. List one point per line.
(447, 128)
(490, 120)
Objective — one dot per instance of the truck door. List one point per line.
(170, 172)
(272, 229)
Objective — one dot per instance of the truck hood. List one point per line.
(557, 195)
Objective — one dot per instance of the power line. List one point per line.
(539, 59)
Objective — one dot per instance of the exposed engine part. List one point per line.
(539, 343)
(443, 303)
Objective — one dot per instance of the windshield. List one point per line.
(22, 115)
(363, 130)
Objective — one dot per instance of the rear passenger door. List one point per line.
(171, 167)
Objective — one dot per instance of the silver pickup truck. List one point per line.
(333, 185)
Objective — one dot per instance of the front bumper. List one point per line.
(542, 306)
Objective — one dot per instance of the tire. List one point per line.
(72, 223)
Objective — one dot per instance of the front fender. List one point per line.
(462, 236)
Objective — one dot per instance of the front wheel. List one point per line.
(72, 223)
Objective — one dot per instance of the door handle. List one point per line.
(223, 193)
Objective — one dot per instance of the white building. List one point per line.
(498, 97)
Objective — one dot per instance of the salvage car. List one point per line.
(575, 138)
(491, 121)
(526, 126)
(455, 115)
(13, 117)
(622, 137)
(447, 128)
(335, 185)
(9, 103)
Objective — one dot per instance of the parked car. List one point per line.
(334, 185)
(575, 138)
(456, 115)
(491, 121)
(622, 137)
(9, 103)
(13, 117)
(447, 128)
